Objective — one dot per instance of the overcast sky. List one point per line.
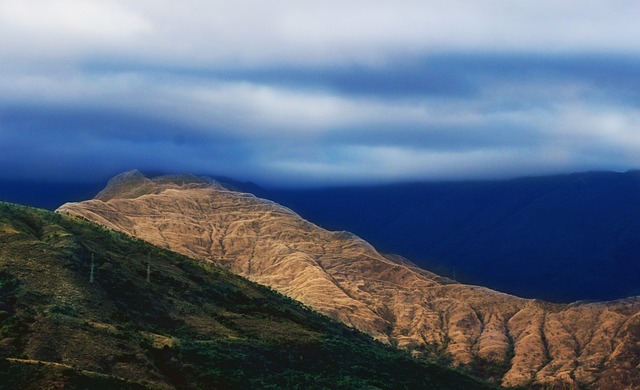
(318, 92)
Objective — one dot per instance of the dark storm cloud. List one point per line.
(51, 122)
(52, 143)
(452, 75)
(461, 76)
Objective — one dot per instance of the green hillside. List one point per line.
(190, 326)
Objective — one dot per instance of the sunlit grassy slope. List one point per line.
(190, 326)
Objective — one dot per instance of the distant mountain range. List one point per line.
(560, 238)
(47, 194)
(509, 340)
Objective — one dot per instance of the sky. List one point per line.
(316, 93)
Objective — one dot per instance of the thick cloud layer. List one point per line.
(317, 93)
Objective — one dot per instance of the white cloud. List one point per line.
(67, 30)
(253, 32)
(604, 134)
(95, 19)
(370, 31)
(366, 164)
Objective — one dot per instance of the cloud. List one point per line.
(255, 33)
(35, 31)
(294, 92)
(69, 18)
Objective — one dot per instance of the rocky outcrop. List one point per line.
(518, 342)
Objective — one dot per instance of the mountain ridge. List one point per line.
(519, 342)
(82, 306)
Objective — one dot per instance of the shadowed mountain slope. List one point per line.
(179, 323)
(518, 342)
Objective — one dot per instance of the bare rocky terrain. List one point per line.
(515, 341)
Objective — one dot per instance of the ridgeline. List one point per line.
(152, 318)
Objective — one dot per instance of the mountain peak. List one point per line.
(121, 184)
(132, 184)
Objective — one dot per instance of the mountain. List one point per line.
(153, 319)
(561, 238)
(515, 341)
